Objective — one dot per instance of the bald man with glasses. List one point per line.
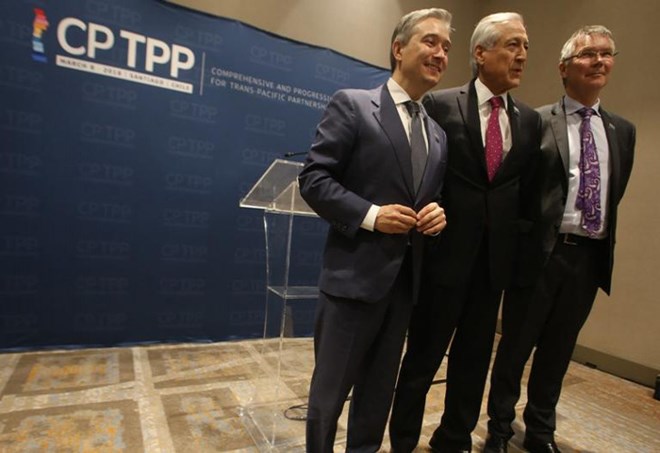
(587, 157)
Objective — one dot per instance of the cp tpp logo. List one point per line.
(79, 38)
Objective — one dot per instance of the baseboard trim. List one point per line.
(616, 366)
(623, 368)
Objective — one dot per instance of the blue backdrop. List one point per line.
(129, 131)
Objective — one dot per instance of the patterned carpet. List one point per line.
(226, 397)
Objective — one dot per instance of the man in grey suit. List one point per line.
(587, 157)
(493, 146)
(375, 173)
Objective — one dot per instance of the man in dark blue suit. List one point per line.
(360, 177)
(493, 144)
(575, 236)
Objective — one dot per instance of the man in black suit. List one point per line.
(493, 146)
(375, 173)
(587, 156)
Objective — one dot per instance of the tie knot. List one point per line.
(496, 102)
(413, 107)
(586, 112)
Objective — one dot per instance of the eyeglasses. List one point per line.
(591, 54)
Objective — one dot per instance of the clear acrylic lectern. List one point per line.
(278, 195)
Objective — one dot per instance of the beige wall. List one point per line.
(358, 28)
(627, 324)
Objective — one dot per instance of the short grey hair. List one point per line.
(583, 32)
(405, 28)
(487, 32)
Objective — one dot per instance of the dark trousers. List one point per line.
(469, 312)
(549, 316)
(357, 345)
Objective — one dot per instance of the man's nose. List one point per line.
(440, 52)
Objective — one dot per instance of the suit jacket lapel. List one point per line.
(388, 117)
(614, 156)
(469, 108)
(434, 156)
(560, 131)
(514, 121)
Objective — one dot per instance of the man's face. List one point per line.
(423, 60)
(588, 70)
(501, 66)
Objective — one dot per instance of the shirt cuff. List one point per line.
(369, 221)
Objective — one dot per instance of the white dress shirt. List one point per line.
(400, 97)
(571, 222)
(483, 96)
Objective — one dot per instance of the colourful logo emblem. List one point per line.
(39, 26)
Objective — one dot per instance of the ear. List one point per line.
(396, 50)
(563, 66)
(479, 55)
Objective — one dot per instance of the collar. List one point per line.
(484, 94)
(399, 95)
(571, 106)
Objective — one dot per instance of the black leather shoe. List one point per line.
(536, 446)
(435, 448)
(438, 447)
(495, 444)
(444, 450)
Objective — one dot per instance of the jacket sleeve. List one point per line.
(321, 180)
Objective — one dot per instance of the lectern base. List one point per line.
(273, 411)
(273, 432)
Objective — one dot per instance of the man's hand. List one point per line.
(395, 219)
(431, 219)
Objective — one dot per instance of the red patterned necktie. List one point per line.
(588, 196)
(494, 146)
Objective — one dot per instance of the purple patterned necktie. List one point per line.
(494, 146)
(588, 197)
